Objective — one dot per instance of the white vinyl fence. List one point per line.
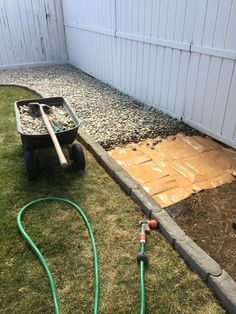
(177, 55)
(31, 33)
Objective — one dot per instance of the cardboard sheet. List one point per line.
(178, 166)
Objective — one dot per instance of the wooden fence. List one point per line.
(31, 33)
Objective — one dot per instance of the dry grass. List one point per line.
(61, 236)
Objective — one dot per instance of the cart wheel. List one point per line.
(31, 164)
(77, 155)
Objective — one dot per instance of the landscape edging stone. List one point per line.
(197, 258)
(126, 182)
(168, 227)
(145, 201)
(224, 287)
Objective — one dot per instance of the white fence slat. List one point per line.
(155, 18)
(141, 16)
(48, 21)
(139, 73)
(13, 33)
(121, 14)
(152, 73)
(123, 64)
(129, 17)
(46, 26)
(71, 11)
(6, 46)
(118, 62)
(191, 85)
(180, 19)
(210, 22)
(158, 76)
(34, 33)
(166, 77)
(98, 65)
(60, 30)
(145, 72)
(189, 21)
(163, 18)
(229, 125)
(134, 18)
(182, 83)
(128, 64)
(26, 31)
(133, 67)
(113, 73)
(222, 23)
(110, 59)
(171, 20)
(148, 18)
(199, 22)
(119, 26)
(211, 90)
(200, 88)
(230, 42)
(222, 96)
(175, 64)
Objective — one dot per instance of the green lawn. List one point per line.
(61, 236)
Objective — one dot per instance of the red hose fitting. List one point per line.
(153, 224)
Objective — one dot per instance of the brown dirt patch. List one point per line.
(207, 218)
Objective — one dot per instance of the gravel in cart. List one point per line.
(32, 122)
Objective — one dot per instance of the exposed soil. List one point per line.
(206, 217)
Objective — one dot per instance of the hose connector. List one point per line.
(146, 226)
(142, 256)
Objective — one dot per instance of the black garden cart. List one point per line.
(33, 142)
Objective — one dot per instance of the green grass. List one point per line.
(61, 236)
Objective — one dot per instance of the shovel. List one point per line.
(51, 132)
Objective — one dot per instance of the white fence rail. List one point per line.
(177, 55)
(31, 33)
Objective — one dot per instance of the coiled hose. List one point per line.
(43, 261)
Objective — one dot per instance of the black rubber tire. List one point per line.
(77, 155)
(31, 164)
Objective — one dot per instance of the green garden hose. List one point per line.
(142, 285)
(41, 258)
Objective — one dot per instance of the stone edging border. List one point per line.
(223, 286)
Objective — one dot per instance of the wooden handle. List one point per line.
(57, 146)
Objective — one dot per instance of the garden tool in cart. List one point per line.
(44, 109)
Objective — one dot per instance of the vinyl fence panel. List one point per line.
(176, 55)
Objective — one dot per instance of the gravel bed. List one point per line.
(109, 116)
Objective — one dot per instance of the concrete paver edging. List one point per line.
(223, 286)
